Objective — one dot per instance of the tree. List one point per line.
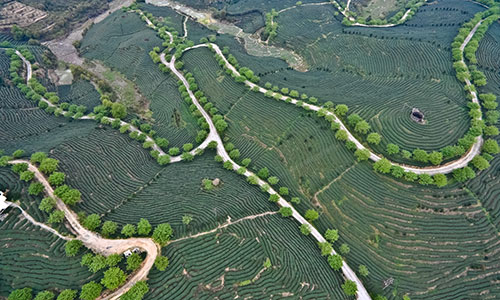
(362, 127)
(128, 230)
(118, 110)
(67, 295)
(254, 180)
(92, 222)
(344, 249)
(44, 295)
(20, 294)
(332, 235)
(162, 233)
(491, 146)
(305, 229)
(97, 263)
(397, 171)
(311, 215)
(19, 168)
(48, 165)
(263, 173)
(273, 180)
(47, 204)
(341, 109)
(90, 291)
(113, 260)
(326, 248)
(420, 155)
(72, 247)
(464, 174)
(134, 262)
(491, 130)
(113, 278)
(27, 176)
(286, 211)
(392, 149)
(187, 147)
(335, 261)
(341, 135)
(163, 160)
(374, 138)
(56, 217)
(143, 227)
(18, 153)
(38, 157)
(382, 166)
(161, 263)
(440, 180)
(274, 198)
(68, 195)
(283, 191)
(109, 228)
(136, 292)
(234, 154)
(186, 219)
(162, 142)
(57, 178)
(362, 154)
(363, 270)
(35, 188)
(350, 288)
(220, 125)
(353, 119)
(480, 162)
(425, 179)
(245, 162)
(436, 158)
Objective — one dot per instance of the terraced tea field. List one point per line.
(30, 256)
(227, 233)
(230, 263)
(122, 42)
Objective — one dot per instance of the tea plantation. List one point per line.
(245, 176)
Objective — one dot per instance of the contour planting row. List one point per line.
(34, 91)
(340, 110)
(404, 231)
(225, 157)
(40, 252)
(87, 237)
(271, 245)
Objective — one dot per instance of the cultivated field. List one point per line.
(229, 240)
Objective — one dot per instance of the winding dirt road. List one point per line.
(101, 245)
(431, 170)
(108, 246)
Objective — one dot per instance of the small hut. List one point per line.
(3, 202)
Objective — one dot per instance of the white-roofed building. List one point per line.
(3, 202)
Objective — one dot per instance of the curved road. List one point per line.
(101, 245)
(213, 135)
(106, 246)
(431, 170)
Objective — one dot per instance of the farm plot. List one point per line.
(122, 42)
(32, 257)
(106, 167)
(485, 187)
(178, 191)
(294, 144)
(80, 92)
(167, 15)
(434, 243)
(230, 264)
(379, 79)
(25, 126)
